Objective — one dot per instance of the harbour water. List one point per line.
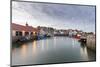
(51, 50)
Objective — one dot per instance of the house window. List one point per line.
(26, 33)
(18, 33)
(34, 32)
(31, 33)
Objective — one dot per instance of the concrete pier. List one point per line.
(91, 42)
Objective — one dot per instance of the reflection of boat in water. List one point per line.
(87, 53)
(89, 41)
(83, 44)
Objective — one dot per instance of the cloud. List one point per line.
(54, 15)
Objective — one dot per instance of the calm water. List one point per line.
(51, 50)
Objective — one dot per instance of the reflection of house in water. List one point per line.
(19, 31)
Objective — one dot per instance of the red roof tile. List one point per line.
(23, 28)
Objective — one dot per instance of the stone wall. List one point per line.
(91, 42)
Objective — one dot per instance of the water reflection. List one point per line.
(24, 51)
(83, 51)
(47, 44)
(52, 50)
(43, 45)
(54, 39)
(73, 42)
(34, 46)
(91, 55)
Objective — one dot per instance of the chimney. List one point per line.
(26, 24)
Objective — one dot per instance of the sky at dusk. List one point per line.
(54, 15)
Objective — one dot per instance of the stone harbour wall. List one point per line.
(91, 42)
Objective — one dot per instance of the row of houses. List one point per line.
(21, 32)
(48, 31)
(26, 32)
